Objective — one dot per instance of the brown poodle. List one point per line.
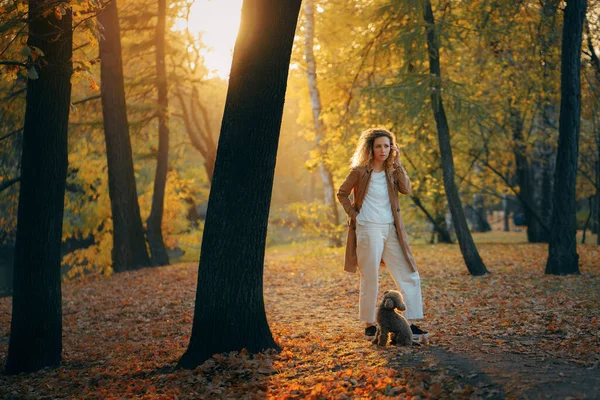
(390, 321)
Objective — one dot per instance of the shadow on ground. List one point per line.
(503, 375)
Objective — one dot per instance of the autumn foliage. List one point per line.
(511, 334)
(516, 332)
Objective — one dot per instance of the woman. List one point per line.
(376, 230)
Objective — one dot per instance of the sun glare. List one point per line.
(218, 21)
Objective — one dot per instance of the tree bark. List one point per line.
(36, 327)
(326, 175)
(562, 250)
(129, 246)
(158, 252)
(468, 249)
(229, 309)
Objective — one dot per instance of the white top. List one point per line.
(376, 205)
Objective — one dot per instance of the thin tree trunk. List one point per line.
(480, 214)
(541, 181)
(468, 249)
(36, 327)
(536, 228)
(326, 175)
(505, 209)
(587, 221)
(229, 309)
(562, 250)
(543, 161)
(158, 253)
(596, 64)
(598, 198)
(129, 246)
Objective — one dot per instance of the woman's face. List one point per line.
(381, 149)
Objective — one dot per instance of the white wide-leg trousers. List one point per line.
(374, 242)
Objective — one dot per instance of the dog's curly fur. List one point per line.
(391, 321)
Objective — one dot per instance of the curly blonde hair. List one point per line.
(363, 155)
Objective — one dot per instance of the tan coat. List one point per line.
(358, 180)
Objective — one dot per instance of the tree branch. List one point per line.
(15, 63)
(522, 201)
(14, 94)
(207, 131)
(8, 183)
(9, 134)
(94, 97)
(196, 142)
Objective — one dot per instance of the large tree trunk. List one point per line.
(36, 328)
(158, 253)
(315, 97)
(562, 251)
(470, 254)
(129, 246)
(229, 310)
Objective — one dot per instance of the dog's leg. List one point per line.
(393, 337)
(383, 336)
(377, 333)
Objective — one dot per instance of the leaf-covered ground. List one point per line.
(516, 333)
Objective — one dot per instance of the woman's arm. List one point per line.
(402, 178)
(400, 174)
(344, 193)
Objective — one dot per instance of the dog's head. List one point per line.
(393, 299)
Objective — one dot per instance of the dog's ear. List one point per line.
(401, 307)
(386, 292)
(388, 303)
(399, 302)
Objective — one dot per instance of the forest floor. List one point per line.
(515, 333)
